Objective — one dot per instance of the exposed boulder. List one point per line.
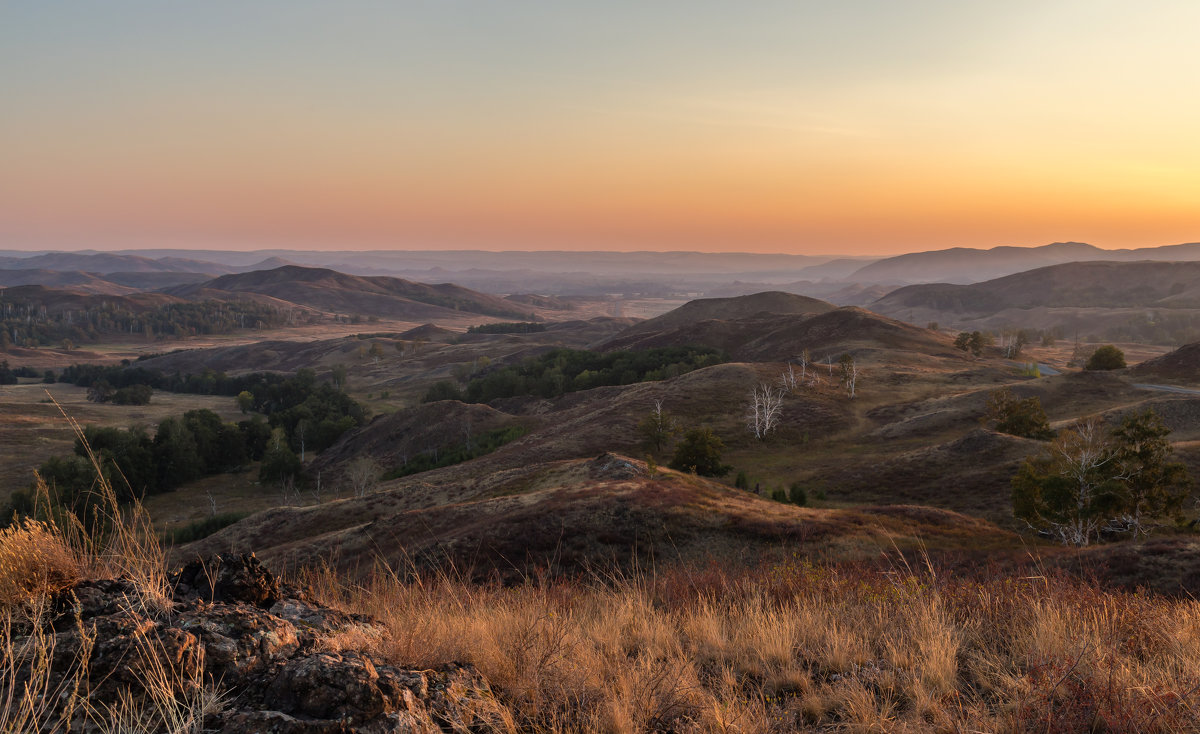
(227, 577)
(231, 625)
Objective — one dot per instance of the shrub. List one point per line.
(700, 452)
(1106, 357)
(797, 494)
(133, 395)
(1024, 418)
(442, 390)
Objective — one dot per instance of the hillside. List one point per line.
(1183, 364)
(74, 280)
(964, 265)
(777, 327)
(970, 265)
(1153, 302)
(110, 262)
(333, 292)
(60, 300)
(703, 309)
(574, 515)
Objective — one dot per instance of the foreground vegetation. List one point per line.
(773, 648)
(802, 646)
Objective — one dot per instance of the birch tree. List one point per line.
(362, 474)
(1069, 491)
(787, 379)
(850, 373)
(658, 428)
(766, 406)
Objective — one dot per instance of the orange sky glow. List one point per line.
(862, 129)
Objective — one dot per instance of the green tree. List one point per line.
(100, 391)
(133, 395)
(279, 462)
(176, 455)
(245, 401)
(338, 373)
(657, 429)
(1016, 417)
(1106, 357)
(1152, 486)
(973, 342)
(1069, 491)
(1091, 480)
(442, 390)
(700, 452)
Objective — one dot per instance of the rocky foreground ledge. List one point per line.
(232, 625)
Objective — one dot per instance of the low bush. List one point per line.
(202, 528)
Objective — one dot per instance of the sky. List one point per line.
(851, 127)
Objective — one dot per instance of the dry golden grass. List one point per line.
(802, 647)
(35, 561)
(41, 690)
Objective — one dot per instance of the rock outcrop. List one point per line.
(230, 625)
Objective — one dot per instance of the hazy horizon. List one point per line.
(514, 250)
(859, 128)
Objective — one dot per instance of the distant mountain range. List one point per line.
(844, 280)
(964, 265)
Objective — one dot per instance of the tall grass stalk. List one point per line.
(43, 688)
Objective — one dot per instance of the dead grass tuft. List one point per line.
(35, 562)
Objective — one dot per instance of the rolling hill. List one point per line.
(575, 516)
(111, 262)
(333, 292)
(776, 327)
(964, 265)
(1131, 301)
(73, 280)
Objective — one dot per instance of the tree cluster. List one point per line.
(508, 327)
(973, 341)
(28, 320)
(567, 370)
(1092, 481)
(312, 414)
(183, 449)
